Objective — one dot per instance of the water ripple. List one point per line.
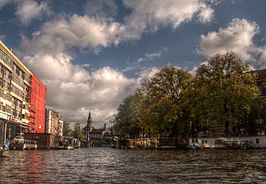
(104, 165)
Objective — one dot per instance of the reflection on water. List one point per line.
(104, 165)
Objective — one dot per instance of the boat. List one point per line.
(245, 142)
(69, 148)
(193, 146)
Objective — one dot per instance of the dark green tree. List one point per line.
(127, 121)
(226, 91)
(165, 92)
(78, 132)
(67, 131)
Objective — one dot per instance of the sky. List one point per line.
(90, 54)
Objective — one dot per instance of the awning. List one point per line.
(18, 122)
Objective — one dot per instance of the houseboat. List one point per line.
(257, 142)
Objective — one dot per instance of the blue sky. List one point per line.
(92, 53)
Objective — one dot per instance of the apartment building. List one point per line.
(16, 96)
(53, 122)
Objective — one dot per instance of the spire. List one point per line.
(89, 117)
(89, 127)
(89, 122)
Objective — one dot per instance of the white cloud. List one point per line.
(136, 65)
(237, 37)
(72, 89)
(206, 13)
(149, 15)
(77, 31)
(262, 59)
(147, 73)
(29, 9)
(149, 57)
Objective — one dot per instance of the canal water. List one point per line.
(106, 165)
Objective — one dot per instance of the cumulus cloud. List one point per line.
(29, 9)
(72, 89)
(237, 37)
(149, 15)
(77, 31)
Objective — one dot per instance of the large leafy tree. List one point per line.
(165, 90)
(127, 120)
(78, 132)
(226, 91)
(67, 131)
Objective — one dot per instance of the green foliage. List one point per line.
(223, 92)
(67, 131)
(165, 91)
(127, 120)
(78, 132)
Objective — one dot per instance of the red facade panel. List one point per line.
(37, 106)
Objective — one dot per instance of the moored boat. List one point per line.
(69, 148)
(257, 142)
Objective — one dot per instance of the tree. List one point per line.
(78, 132)
(165, 91)
(226, 90)
(127, 121)
(67, 131)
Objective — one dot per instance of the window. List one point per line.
(19, 104)
(219, 142)
(257, 141)
(8, 109)
(14, 112)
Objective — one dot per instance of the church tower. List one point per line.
(88, 128)
(89, 123)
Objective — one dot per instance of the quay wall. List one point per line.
(151, 143)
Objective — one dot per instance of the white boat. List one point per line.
(230, 142)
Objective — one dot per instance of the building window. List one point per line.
(257, 141)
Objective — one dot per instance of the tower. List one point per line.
(89, 122)
(88, 127)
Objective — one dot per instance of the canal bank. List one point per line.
(251, 142)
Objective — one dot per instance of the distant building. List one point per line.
(97, 137)
(260, 76)
(53, 122)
